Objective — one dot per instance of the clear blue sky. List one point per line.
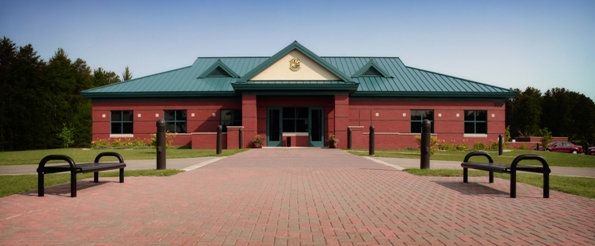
(511, 44)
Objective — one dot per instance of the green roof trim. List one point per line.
(371, 65)
(295, 85)
(295, 46)
(218, 64)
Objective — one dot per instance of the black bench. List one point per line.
(74, 168)
(512, 169)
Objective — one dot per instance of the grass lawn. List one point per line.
(88, 155)
(573, 185)
(14, 184)
(553, 159)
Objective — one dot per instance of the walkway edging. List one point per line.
(202, 164)
(385, 163)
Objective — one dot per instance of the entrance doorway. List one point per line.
(300, 124)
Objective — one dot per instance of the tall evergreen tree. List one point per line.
(525, 112)
(569, 114)
(126, 75)
(102, 77)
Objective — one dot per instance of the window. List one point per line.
(175, 121)
(231, 117)
(295, 119)
(121, 122)
(476, 121)
(418, 117)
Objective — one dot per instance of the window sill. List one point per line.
(121, 135)
(467, 135)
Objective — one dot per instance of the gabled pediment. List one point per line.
(279, 67)
(371, 69)
(218, 70)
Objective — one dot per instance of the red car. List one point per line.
(564, 147)
(591, 150)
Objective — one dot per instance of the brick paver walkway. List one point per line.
(296, 197)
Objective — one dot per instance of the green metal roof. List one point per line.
(398, 80)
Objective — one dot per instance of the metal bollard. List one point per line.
(537, 147)
(426, 133)
(349, 138)
(241, 138)
(219, 139)
(500, 144)
(161, 146)
(371, 145)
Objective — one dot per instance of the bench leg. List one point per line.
(546, 184)
(40, 181)
(512, 184)
(491, 177)
(72, 184)
(465, 175)
(121, 175)
(96, 177)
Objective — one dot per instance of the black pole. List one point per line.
(219, 139)
(371, 147)
(349, 138)
(426, 131)
(500, 144)
(161, 146)
(241, 138)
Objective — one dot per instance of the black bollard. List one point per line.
(349, 138)
(500, 144)
(426, 133)
(241, 138)
(161, 146)
(371, 147)
(219, 139)
(537, 148)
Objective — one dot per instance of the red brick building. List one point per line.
(298, 98)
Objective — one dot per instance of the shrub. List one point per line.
(67, 135)
(523, 147)
(463, 146)
(479, 146)
(493, 145)
(169, 139)
(100, 144)
(138, 143)
(434, 142)
(546, 137)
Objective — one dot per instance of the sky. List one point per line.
(542, 44)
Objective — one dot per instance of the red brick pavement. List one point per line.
(296, 197)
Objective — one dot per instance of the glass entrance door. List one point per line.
(316, 127)
(274, 133)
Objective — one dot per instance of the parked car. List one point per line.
(591, 150)
(564, 147)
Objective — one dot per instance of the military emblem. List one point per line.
(294, 64)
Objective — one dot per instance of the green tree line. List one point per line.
(40, 101)
(561, 112)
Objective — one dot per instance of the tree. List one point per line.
(126, 75)
(102, 77)
(569, 114)
(524, 112)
